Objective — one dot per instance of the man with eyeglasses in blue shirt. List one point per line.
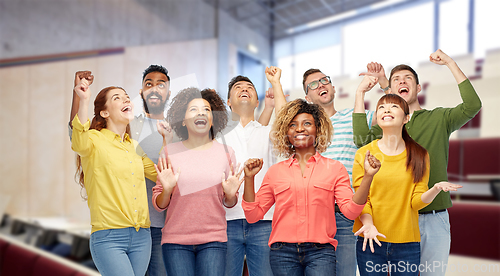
(319, 90)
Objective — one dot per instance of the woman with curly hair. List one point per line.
(194, 236)
(304, 188)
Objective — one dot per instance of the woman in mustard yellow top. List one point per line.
(112, 168)
(398, 191)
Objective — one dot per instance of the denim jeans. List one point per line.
(208, 259)
(435, 243)
(121, 252)
(156, 266)
(250, 239)
(311, 259)
(396, 258)
(346, 249)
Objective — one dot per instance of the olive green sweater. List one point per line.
(432, 130)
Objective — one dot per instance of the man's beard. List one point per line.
(157, 109)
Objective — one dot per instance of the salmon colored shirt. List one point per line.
(305, 204)
(114, 171)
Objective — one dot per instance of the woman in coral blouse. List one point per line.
(304, 188)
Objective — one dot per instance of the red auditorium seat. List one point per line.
(18, 261)
(474, 230)
(481, 156)
(3, 248)
(48, 267)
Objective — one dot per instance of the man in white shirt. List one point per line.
(249, 139)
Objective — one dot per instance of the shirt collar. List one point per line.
(315, 158)
(111, 135)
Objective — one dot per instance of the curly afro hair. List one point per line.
(179, 105)
(324, 129)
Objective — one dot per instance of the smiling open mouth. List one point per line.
(127, 108)
(322, 93)
(200, 122)
(403, 90)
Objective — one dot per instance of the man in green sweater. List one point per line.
(431, 129)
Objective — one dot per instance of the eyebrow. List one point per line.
(152, 80)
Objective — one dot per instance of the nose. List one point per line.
(299, 128)
(127, 100)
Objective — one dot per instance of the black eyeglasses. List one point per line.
(315, 84)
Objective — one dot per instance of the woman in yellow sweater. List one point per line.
(398, 191)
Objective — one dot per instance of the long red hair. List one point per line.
(416, 155)
(98, 123)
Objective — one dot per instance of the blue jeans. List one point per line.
(396, 258)
(208, 259)
(311, 259)
(435, 243)
(121, 252)
(346, 249)
(250, 239)
(156, 266)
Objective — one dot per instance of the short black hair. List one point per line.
(234, 81)
(155, 68)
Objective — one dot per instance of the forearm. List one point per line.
(429, 196)
(366, 219)
(83, 109)
(362, 191)
(359, 102)
(265, 116)
(384, 83)
(456, 71)
(249, 190)
(75, 105)
(279, 96)
(163, 199)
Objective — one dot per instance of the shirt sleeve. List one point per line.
(343, 194)
(420, 188)
(264, 200)
(81, 141)
(362, 134)
(157, 190)
(358, 172)
(149, 167)
(464, 112)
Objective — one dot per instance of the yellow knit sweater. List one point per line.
(394, 200)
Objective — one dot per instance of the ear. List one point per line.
(308, 99)
(183, 123)
(257, 104)
(140, 92)
(228, 103)
(104, 114)
(419, 88)
(169, 94)
(406, 119)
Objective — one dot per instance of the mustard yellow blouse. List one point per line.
(114, 173)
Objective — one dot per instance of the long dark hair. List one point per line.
(98, 123)
(416, 155)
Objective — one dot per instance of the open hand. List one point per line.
(232, 184)
(370, 234)
(253, 166)
(165, 173)
(372, 164)
(447, 186)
